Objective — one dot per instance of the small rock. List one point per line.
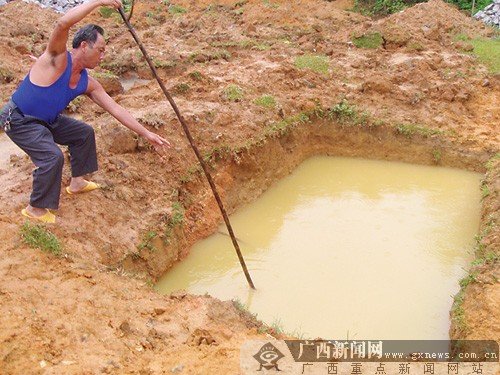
(125, 328)
(177, 368)
(159, 311)
(180, 294)
(226, 333)
(201, 337)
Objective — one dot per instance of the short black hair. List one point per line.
(87, 33)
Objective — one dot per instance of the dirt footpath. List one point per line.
(419, 97)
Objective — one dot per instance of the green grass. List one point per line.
(176, 219)
(483, 254)
(490, 164)
(282, 127)
(182, 88)
(378, 8)
(221, 55)
(178, 214)
(233, 93)
(467, 4)
(266, 101)
(468, 279)
(488, 53)
(317, 63)
(370, 40)
(410, 130)
(437, 155)
(161, 64)
(176, 10)
(241, 307)
(196, 76)
(483, 257)
(458, 300)
(415, 46)
(270, 4)
(346, 113)
(276, 325)
(104, 75)
(489, 258)
(460, 38)
(247, 43)
(147, 242)
(261, 47)
(485, 190)
(458, 311)
(39, 237)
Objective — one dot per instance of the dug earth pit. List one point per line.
(93, 309)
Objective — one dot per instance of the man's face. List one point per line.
(95, 53)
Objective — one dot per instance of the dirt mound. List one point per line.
(434, 21)
(93, 310)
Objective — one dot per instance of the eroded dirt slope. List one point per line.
(94, 311)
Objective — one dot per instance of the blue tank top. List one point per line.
(48, 102)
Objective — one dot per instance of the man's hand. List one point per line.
(115, 4)
(160, 144)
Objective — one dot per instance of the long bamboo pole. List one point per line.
(193, 146)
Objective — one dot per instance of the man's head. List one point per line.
(87, 33)
(90, 43)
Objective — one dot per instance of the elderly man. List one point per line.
(33, 120)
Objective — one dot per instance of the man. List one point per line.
(33, 121)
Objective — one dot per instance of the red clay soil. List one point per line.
(93, 310)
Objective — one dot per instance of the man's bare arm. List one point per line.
(59, 37)
(97, 93)
(48, 67)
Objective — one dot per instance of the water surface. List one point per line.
(346, 248)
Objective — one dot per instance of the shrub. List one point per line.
(346, 113)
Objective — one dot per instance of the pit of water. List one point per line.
(346, 248)
(132, 80)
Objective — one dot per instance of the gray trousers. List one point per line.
(39, 140)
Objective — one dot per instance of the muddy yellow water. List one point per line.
(346, 248)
